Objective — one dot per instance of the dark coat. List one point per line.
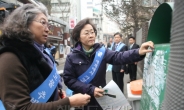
(135, 46)
(108, 45)
(22, 70)
(117, 68)
(32, 60)
(77, 63)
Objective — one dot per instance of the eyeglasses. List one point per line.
(43, 22)
(89, 33)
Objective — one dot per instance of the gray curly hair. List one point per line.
(16, 25)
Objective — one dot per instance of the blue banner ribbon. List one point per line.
(92, 70)
(88, 76)
(1, 106)
(46, 89)
(42, 93)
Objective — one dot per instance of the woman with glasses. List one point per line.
(28, 75)
(85, 66)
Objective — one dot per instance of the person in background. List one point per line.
(29, 80)
(53, 51)
(67, 49)
(109, 43)
(71, 48)
(85, 67)
(132, 67)
(118, 70)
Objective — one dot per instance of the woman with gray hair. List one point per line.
(28, 75)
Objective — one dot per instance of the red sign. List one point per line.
(72, 23)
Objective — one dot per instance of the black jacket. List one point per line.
(117, 68)
(135, 46)
(32, 60)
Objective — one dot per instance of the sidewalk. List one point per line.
(60, 67)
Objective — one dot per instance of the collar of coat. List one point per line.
(26, 48)
(78, 48)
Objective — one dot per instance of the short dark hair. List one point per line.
(131, 37)
(80, 25)
(117, 33)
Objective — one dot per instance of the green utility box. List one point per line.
(156, 63)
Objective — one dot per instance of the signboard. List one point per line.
(72, 23)
(154, 77)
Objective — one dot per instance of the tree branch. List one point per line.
(133, 11)
(158, 2)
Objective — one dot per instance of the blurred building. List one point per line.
(72, 11)
(154, 3)
(6, 9)
(64, 9)
(65, 14)
(105, 26)
(59, 29)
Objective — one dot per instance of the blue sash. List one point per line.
(119, 46)
(46, 89)
(88, 76)
(109, 67)
(42, 93)
(1, 106)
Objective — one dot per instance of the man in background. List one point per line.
(109, 43)
(132, 68)
(118, 70)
